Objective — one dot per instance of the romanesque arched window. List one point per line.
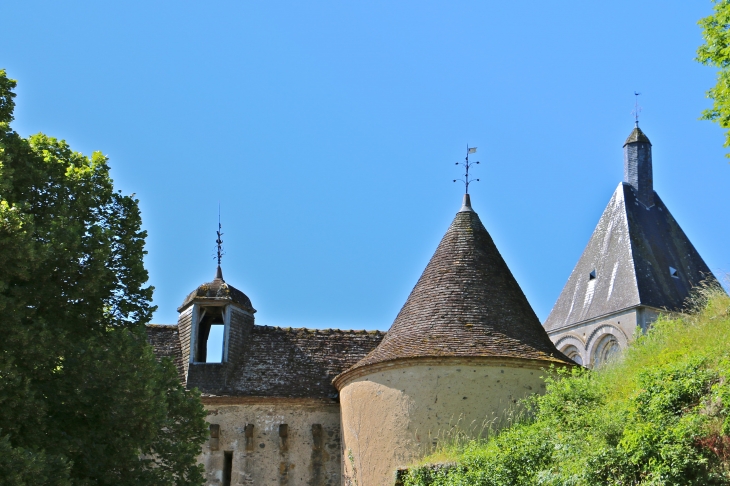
(573, 353)
(607, 349)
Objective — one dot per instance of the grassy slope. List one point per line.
(656, 416)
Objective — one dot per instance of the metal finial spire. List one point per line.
(467, 165)
(219, 241)
(637, 109)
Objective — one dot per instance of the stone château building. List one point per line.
(274, 414)
(336, 407)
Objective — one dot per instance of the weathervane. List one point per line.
(467, 165)
(637, 109)
(219, 241)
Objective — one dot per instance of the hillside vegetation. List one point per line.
(659, 415)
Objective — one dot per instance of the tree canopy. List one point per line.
(716, 52)
(84, 400)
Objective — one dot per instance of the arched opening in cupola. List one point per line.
(210, 337)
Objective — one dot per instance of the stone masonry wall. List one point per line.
(586, 336)
(394, 415)
(286, 442)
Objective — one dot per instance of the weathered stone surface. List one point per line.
(250, 431)
(275, 411)
(398, 413)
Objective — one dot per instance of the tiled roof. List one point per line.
(278, 362)
(287, 362)
(165, 342)
(638, 255)
(218, 290)
(466, 304)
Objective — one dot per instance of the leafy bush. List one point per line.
(659, 415)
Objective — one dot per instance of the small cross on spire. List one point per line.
(467, 165)
(637, 109)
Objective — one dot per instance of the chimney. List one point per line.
(637, 166)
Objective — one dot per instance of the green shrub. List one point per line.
(658, 416)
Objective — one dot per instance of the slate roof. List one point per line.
(165, 342)
(286, 362)
(278, 362)
(631, 252)
(218, 290)
(466, 304)
(637, 135)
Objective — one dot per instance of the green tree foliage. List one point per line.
(716, 52)
(660, 416)
(83, 400)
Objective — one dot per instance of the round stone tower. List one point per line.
(465, 347)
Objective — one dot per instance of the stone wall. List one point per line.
(397, 412)
(584, 339)
(292, 442)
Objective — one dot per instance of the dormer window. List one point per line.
(673, 272)
(592, 275)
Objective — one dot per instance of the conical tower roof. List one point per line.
(466, 304)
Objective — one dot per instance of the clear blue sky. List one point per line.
(328, 132)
